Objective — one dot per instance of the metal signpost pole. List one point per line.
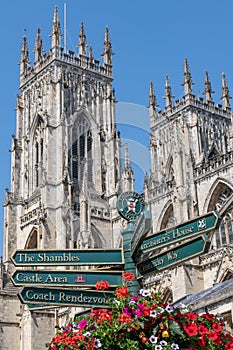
(127, 234)
(130, 205)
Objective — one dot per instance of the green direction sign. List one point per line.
(66, 297)
(40, 307)
(142, 228)
(84, 278)
(190, 228)
(67, 257)
(175, 256)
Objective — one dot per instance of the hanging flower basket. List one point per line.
(143, 321)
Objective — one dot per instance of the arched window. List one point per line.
(32, 241)
(224, 234)
(81, 152)
(37, 164)
(36, 167)
(168, 218)
(38, 161)
(167, 296)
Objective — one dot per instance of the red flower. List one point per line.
(144, 340)
(191, 329)
(202, 329)
(102, 285)
(212, 335)
(122, 292)
(217, 327)
(191, 316)
(101, 314)
(128, 276)
(208, 316)
(124, 318)
(218, 341)
(202, 341)
(228, 346)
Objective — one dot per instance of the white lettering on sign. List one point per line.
(32, 296)
(201, 224)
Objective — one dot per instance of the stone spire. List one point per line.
(127, 174)
(38, 47)
(168, 93)
(208, 89)
(108, 53)
(24, 59)
(126, 158)
(152, 98)
(187, 84)
(225, 93)
(91, 58)
(56, 30)
(82, 43)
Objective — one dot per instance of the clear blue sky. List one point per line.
(150, 39)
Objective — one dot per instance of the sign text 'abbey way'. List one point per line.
(84, 278)
(177, 255)
(185, 230)
(67, 257)
(71, 297)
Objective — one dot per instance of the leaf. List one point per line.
(154, 328)
(141, 324)
(176, 329)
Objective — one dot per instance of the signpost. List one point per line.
(70, 278)
(175, 256)
(189, 229)
(42, 288)
(68, 257)
(64, 297)
(142, 228)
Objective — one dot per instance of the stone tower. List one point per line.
(65, 155)
(66, 164)
(191, 174)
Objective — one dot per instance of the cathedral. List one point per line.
(67, 173)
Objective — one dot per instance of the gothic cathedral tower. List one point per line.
(191, 175)
(65, 156)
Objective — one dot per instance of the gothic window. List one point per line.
(41, 150)
(168, 218)
(167, 296)
(169, 171)
(75, 160)
(224, 234)
(32, 241)
(82, 146)
(81, 152)
(37, 164)
(228, 275)
(89, 156)
(227, 318)
(36, 160)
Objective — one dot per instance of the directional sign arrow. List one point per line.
(84, 278)
(142, 228)
(176, 256)
(190, 228)
(58, 296)
(67, 257)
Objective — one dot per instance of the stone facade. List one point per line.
(66, 170)
(66, 175)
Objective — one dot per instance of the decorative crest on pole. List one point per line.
(130, 205)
